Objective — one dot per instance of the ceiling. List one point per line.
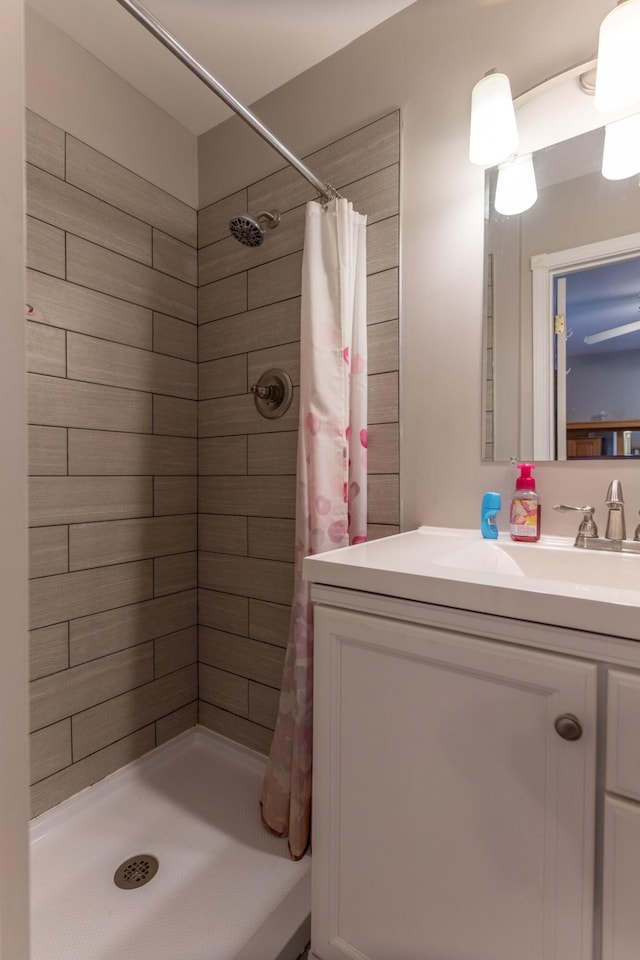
(600, 298)
(250, 46)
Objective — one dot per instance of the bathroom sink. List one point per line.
(546, 561)
(550, 581)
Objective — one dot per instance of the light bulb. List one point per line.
(494, 134)
(516, 188)
(621, 154)
(618, 75)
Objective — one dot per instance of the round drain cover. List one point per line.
(136, 871)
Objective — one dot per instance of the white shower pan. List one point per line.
(225, 888)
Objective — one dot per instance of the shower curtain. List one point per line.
(331, 488)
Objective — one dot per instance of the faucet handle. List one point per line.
(563, 507)
(614, 494)
(587, 528)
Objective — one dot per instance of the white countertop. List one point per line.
(549, 582)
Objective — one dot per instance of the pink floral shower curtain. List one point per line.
(331, 490)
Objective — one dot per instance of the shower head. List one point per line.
(249, 230)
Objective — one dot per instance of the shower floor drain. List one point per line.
(136, 871)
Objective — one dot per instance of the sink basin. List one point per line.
(551, 581)
(543, 560)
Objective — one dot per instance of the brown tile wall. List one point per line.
(249, 320)
(112, 351)
(116, 400)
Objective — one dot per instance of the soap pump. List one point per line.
(524, 516)
(491, 504)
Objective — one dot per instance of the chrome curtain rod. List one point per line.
(153, 25)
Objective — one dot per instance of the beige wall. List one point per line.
(112, 403)
(75, 91)
(249, 322)
(13, 636)
(426, 60)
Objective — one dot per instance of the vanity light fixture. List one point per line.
(618, 77)
(621, 154)
(613, 332)
(494, 134)
(516, 188)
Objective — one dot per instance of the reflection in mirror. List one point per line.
(562, 313)
(601, 360)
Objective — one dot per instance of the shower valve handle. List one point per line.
(272, 393)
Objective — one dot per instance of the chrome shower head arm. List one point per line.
(271, 216)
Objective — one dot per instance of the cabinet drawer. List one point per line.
(621, 919)
(623, 734)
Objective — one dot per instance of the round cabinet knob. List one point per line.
(568, 727)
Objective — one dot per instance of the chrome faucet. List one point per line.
(616, 529)
(615, 538)
(587, 529)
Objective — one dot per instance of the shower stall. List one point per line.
(121, 774)
(140, 402)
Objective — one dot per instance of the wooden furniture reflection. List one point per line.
(584, 446)
(587, 439)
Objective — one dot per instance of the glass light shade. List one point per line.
(618, 76)
(516, 188)
(621, 154)
(494, 134)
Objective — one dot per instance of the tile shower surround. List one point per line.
(112, 395)
(124, 420)
(249, 321)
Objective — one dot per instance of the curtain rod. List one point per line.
(153, 25)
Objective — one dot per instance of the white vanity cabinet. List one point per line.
(621, 884)
(621, 888)
(451, 820)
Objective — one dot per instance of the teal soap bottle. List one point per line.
(491, 504)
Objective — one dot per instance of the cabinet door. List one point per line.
(451, 821)
(623, 723)
(621, 892)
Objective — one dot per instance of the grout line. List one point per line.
(108, 296)
(137, 177)
(108, 203)
(125, 346)
(110, 386)
(132, 733)
(138, 263)
(108, 610)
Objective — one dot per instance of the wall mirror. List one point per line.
(563, 388)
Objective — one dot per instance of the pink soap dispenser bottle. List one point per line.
(524, 516)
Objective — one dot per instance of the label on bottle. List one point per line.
(523, 521)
